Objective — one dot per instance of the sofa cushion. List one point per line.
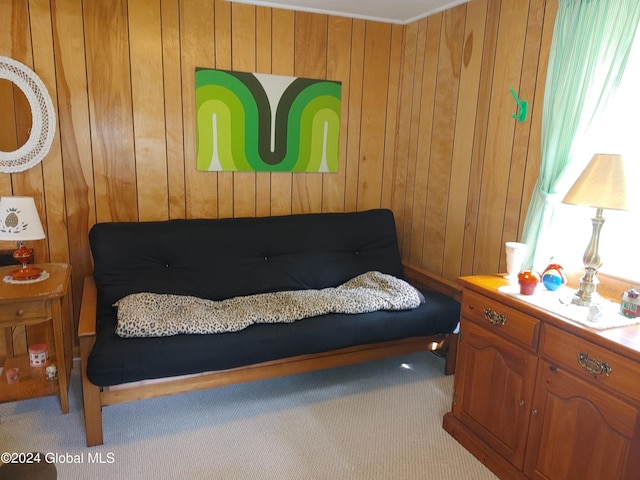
(116, 360)
(224, 258)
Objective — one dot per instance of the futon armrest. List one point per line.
(87, 335)
(420, 277)
(88, 308)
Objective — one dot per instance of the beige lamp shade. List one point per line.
(605, 183)
(19, 219)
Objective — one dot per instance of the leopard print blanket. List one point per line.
(160, 315)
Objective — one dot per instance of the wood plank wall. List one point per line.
(426, 119)
(467, 167)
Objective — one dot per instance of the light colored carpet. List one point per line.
(378, 420)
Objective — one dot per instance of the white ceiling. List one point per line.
(391, 11)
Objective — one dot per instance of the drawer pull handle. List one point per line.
(494, 317)
(593, 365)
(20, 313)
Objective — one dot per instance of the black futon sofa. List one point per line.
(218, 259)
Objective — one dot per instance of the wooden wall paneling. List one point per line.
(507, 71)
(15, 42)
(310, 62)
(75, 138)
(393, 97)
(243, 58)
(374, 108)
(223, 61)
(147, 93)
(15, 16)
(464, 131)
(516, 196)
(442, 144)
(263, 65)
(109, 86)
(402, 196)
(197, 47)
(282, 60)
(54, 214)
(489, 41)
(338, 69)
(173, 101)
(422, 120)
(354, 115)
(8, 132)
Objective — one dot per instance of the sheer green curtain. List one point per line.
(589, 50)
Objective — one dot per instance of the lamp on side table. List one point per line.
(605, 183)
(19, 221)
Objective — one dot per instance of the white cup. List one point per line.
(516, 253)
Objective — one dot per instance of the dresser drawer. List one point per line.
(598, 365)
(501, 319)
(21, 312)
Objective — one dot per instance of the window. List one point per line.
(616, 131)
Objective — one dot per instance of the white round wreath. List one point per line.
(43, 117)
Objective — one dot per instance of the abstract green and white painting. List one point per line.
(258, 122)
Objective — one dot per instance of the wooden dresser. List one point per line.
(537, 396)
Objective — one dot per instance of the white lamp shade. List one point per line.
(605, 183)
(19, 219)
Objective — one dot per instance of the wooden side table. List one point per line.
(32, 303)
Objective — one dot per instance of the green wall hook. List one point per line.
(523, 106)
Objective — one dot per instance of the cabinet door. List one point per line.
(494, 390)
(579, 431)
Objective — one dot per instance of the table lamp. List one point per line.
(603, 184)
(19, 221)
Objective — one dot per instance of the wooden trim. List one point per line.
(422, 278)
(87, 337)
(91, 395)
(88, 307)
(497, 464)
(287, 366)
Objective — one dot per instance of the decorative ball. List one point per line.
(553, 277)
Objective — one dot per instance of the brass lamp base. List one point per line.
(587, 294)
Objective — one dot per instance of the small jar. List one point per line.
(528, 281)
(39, 355)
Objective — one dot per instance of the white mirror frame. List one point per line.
(43, 117)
